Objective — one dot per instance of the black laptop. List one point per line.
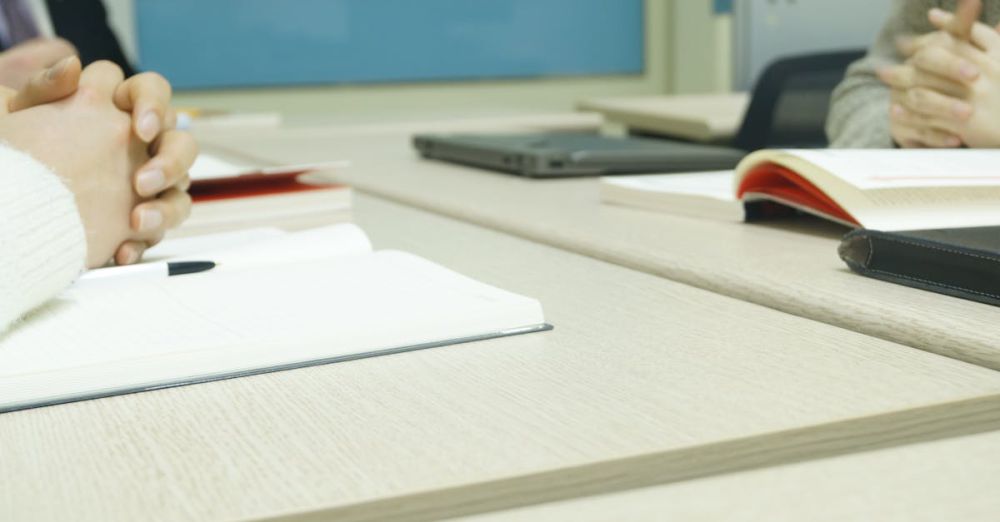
(787, 109)
(568, 154)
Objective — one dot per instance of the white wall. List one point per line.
(764, 31)
(699, 48)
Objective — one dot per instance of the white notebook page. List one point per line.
(239, 318)
(317, 243)
(261, 246)
(186, 246)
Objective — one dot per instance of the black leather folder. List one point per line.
(961, 262)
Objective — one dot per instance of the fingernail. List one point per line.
(149, 182)
(969, 71)
(56, 70)
(953, 142)
(961, 109)
(935, 14)
(898, 111)
(150, 219)
(149, 126)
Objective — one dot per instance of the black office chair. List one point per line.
(790, 101)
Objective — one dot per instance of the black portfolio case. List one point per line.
(961, 262)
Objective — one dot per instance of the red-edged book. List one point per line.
(238, 193)
(880, 189)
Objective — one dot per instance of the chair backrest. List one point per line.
(789, 104)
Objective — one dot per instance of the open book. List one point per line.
(875, 189)
(275, 301)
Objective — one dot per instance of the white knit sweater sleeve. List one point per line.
(43, 246)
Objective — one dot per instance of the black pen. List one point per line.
(147, 271)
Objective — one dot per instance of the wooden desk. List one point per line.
(697, 117)
(792, 267)
(644, 381)
(954, 479)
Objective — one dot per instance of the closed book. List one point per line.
(707, 118)
(960, 262)
(232, 192)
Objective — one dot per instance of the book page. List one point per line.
(261, 246)
(211, 166)
(875, 169)
(187, 246)
(898, 189)
(237, 318)
(318, 243)
(714, 184)
(942, 207)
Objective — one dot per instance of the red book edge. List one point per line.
(784, 184)
(252, 185)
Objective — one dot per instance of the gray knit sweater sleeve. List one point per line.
(859, 111)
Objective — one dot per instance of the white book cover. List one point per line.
(696, 194)
(214, 166)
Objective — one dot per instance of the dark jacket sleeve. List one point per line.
(85, 24)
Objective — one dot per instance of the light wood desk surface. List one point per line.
(953, 479)
(644, 381)
(790, 266)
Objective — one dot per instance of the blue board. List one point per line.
(722, 6)
(224, 43)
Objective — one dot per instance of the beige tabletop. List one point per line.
(953, 479)
(644, 381)
(790, 266)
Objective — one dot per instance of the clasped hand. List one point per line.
(947, 93)
(112, 142)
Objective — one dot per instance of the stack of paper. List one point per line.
(232, 192)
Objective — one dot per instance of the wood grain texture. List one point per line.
(954, 479)
(664, 467)
(643, 381)
(790, 266)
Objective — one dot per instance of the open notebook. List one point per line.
(275, 301)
